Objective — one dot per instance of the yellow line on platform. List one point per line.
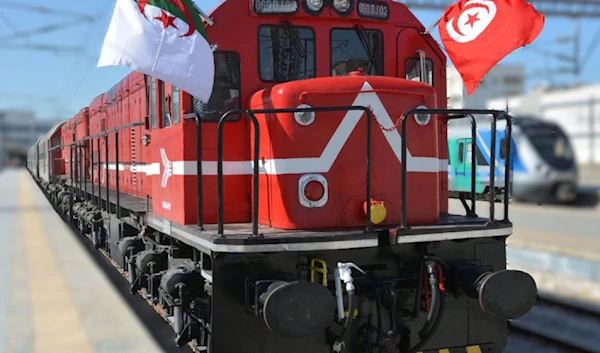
(57, 327)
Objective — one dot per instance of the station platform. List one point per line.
(569, 231)
(54, 296)
(556, 244)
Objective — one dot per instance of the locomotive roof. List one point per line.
(53, 130)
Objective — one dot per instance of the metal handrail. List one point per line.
(464, 112)
(251, 114)
(79, 145)
(199, 211)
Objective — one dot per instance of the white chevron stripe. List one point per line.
(323, 163)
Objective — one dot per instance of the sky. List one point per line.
(56, 85)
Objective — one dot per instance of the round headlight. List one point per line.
(304, 118)
(314, 5)
(342, 6)
(422, 118)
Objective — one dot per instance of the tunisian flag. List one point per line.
(478, 34)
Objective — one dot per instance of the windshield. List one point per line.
(352, 48)
(286, 53)
(552, 145)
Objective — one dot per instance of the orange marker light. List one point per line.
(378, 211)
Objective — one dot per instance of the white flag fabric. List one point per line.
(161, 38)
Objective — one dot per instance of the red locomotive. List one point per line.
(305, 207)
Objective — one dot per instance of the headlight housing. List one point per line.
(314, 6)
(304, 118)
(422, 118)
(342, 7)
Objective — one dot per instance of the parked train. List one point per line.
(305, 207)
(542, 160)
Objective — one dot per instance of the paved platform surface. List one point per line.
(568, 230)
(558, 245)
(53, 296)
(589, 174)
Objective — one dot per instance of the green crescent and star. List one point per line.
(182, 9)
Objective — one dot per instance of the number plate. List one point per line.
(373, 9)
(275, 7)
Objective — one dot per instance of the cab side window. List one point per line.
(412, 69)
(481, 161)
(226, 89)
(175, 96)
(469, 158)
(503, 148)
(165, 113)
(153, 120)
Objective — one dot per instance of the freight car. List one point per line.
(305, 206)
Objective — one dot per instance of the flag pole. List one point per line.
(203, 15)
(430, 28)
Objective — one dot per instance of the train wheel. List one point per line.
(565, 193)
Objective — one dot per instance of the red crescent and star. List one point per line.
(167, 20)
(472, 18)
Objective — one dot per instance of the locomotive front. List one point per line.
(398, 292)
(337, 266)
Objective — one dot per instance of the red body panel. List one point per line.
(66, 132)
(97, 112)
(112, 121)
(81, 129)
(125, 103)
(57, 167)
(342, 161)
(133, 149)
(176, 198)
(160, 162)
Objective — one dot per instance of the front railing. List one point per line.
(77, 161)
(450, 113)
(251, 114)
(79, 147)
(458, 114)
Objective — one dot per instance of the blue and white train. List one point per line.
(542, 160)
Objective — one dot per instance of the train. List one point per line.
(542, 161)
(305, 207)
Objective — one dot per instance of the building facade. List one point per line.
(19, 130)
(576, 109)
(502, 80)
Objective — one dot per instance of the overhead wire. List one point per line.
(20, 39)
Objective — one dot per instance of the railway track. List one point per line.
(560, 325)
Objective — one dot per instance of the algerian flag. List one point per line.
(161, 38)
